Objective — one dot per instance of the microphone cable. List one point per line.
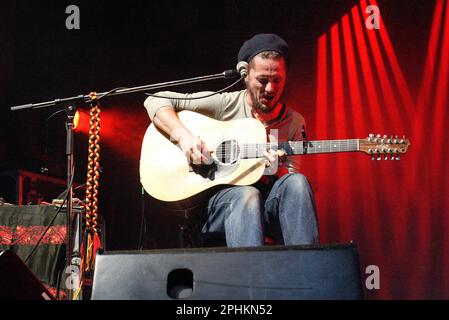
(196, 98)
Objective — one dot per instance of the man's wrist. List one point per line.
(179, 134)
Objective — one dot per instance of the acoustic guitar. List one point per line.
(237, 148)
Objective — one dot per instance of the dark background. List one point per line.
(142, 42)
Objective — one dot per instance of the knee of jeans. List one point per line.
(298, 181)
(250, 196)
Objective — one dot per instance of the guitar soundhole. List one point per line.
(228, 152)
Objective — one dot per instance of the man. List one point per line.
(280, 205)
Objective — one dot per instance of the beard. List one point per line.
(258, 105)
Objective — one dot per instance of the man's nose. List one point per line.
(270, 87)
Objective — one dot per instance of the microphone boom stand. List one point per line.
(70, 104)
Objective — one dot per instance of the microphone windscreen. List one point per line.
(242, 68)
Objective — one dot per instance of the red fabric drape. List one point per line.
(396, 211)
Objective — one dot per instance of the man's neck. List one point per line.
(267, 117)
(262, 116)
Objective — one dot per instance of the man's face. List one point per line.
(265, 82)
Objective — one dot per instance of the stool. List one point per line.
(189, 232)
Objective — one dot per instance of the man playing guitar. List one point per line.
(281, 203)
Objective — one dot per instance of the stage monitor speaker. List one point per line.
(17, 282)
(262, 273)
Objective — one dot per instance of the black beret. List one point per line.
(263, 42)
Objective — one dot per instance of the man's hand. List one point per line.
(272, 160)
(194, 149)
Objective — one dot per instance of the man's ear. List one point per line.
(247, 80)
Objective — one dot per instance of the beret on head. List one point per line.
(263, 42)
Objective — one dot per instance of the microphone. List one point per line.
(230, 74)
(242, 68)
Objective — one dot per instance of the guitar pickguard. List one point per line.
(214, 171)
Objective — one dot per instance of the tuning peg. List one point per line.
(385, 157)
(391, 157)
(379, 158)
(378, 138)
(397, 157)
(372, 158)
(395, 140)
(370, 137)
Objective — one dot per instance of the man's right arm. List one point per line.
(167, 120)
(164, 116)
(193, 147)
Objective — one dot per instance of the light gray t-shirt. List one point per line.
(231, 106)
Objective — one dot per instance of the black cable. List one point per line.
(80, 186)
(46, 138)
(109, 92)
(196, 98)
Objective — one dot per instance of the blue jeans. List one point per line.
(243, 213)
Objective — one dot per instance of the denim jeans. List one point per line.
(246, 214)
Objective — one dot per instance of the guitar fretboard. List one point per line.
(249, 151)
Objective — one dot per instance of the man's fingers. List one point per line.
(207, 160)
(270, 158)
(196, 155)
(205, 157)
(270, 155)
(281, 153)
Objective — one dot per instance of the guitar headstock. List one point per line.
(383, 147)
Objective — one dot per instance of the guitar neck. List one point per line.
(250, 151)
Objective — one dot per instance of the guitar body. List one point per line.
(166, 174)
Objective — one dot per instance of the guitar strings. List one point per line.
(256, 146)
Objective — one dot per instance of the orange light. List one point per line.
(76, 120)
(81, 122)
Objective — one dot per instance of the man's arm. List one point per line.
(195, 150)
(163, 113)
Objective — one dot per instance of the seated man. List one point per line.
(280, 204)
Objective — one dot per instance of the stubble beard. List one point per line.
(259, 106)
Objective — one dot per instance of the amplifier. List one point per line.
(22, 187)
